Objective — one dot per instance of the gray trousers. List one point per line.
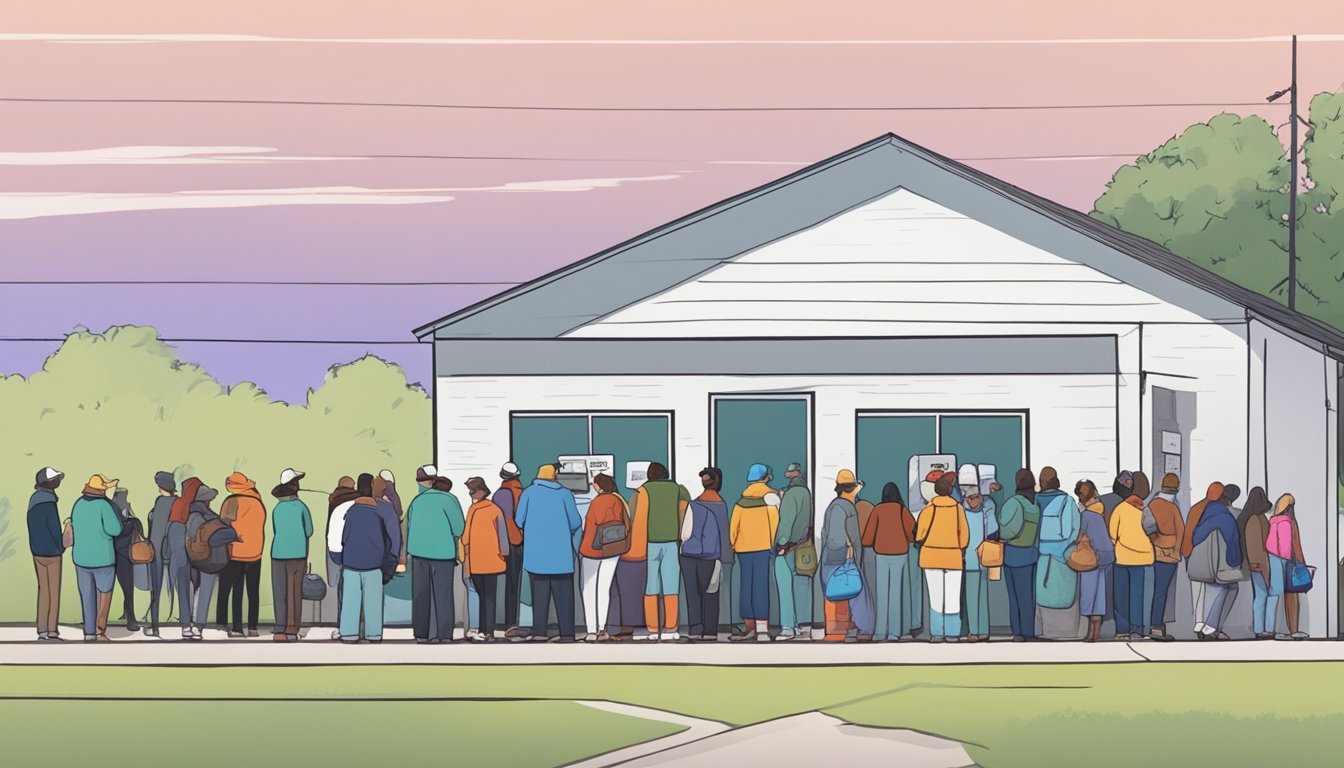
(203, 594)
(179, 576)
(432, 593)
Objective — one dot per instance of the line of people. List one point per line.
(1068, 561)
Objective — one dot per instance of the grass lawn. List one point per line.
(1008, 715)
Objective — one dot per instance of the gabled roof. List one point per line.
(652, 262)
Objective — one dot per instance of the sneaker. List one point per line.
(1161, 637)
(335, 634)
(564, 640)
(235, 635)
(132, 627)
(151, 632)
(90, 638)
(102, 638)
(669, 637)
(1299, 636)
(55, 639)
(742, 638)
(513, 632)
(479, 638)
(591, 637)
(646, 636)
(422, 641)
(253, 633)
(762, 637)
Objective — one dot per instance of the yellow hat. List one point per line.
(546, 472)
(845, 477)
(101, 483)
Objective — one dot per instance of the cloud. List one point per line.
(35, 205)
(151, 155)
(133, 38)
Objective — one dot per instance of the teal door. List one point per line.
(885, 444)
(538, 440)
(633, 438)
(986, 439)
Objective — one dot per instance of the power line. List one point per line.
(539, 108)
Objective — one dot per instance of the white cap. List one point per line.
(968, 475)
(47, 474)
(509, 469)
(430, 470)
(386, 474)
(289, 476)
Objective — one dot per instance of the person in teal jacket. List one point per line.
(1060, 525)
(291, 528)
(434, 525)
(95, 523)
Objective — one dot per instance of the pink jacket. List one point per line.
(1280, 540)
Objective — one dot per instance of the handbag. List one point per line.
(990, 554)
(142, 552)
(1083, 558)
(845, 583)
(314, 586)
(613, 539)
(1299, 577)
(68, 534)
(805, 557)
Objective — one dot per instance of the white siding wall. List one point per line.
(1072, 417)
(1297, 380)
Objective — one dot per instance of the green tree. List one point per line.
(1217, 195)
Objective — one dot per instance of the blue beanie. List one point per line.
(757, 473)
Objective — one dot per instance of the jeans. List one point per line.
(889, 591)
(432, 588)
(235, 576)
(1129, 599)
(92, 583)
(362, 589)
(1197, 605)
(702, 606)
(944, 602)
(287, 589)
(513, 582)
(664, 577)
(598, 574)
(157, 570)
(1022, 599)
(976, 584)
(203, 595)
(795, 595)
(179, 577)
(1273, 594)
(755, 584)
(486, 586)
(1218, 599)
(912, 603)
(1163, 575)
(545, 588)
(48, 594)
(126, 580)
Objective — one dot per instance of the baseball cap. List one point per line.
(794, 467)
(101, 483)
(758, 472)
(47, 474)
(546, 472)
(290, 476)
(933, 475)
(509, 470)
(387, 476)
(426, 473)
(845, 477)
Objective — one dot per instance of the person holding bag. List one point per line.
(942, 536)
(606, 536)
(1284, 546)
(1092, 583)
(982, 522)
(842, 544)
(1057, 583)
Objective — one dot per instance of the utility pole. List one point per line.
(1293, 119)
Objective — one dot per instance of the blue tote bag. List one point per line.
(845, 583)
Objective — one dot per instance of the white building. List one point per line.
(889, 302)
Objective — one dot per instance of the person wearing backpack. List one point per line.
(96, 524)
(208, 540)
(1133, 562)
(1019, 530)
(434, 525)
(368, 559)
(291, 528)
(1060, 525)
(1167, 536)
(1219, 596)
(1284, 545)
(47, 547)
(704, 538)
(245, 512)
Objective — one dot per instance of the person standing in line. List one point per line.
(1060, 525)
(983, 524)
(1019, 530)
(506, 498)
(178, 565)
(46, 546)
(367, 558)
(200, 514)
(942, 534)
(751, 532)
(549, 519)
(626, 614)
(1284, 546)
(245, 512)
(158, 538)
(842, 540)
(434, 524)
(1197, 588)
(1121, 489)
(888, 534)
(96, 524)
(1266, 581)
(606, 536)
(1217, 520)
(338, 504)
(665, 502)
(291, 528)
(704, 541)
(131, 527)
(1092, 592)
(795, 528)
(1170, 529)
(1133, 562)
(485, 547)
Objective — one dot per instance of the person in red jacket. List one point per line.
(606, 536)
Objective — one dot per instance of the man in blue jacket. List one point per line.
(44, 541)
(368, 559)
(549, 519)
(704, 538)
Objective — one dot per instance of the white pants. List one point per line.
(1197, 601)
(597, 576)
(944, 590)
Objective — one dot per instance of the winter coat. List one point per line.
(1094, 528)
(44, 524)
(485, 539)
(549, 519)
(1282, 541)
(705, 540)
(366, 543)
(434, 524)
(755, 520)
(1215, 493)
(1132, 545)
(246, 512)
(890, 529)
(1218, 520)
(795, 513)
(1170, 528)
(942, 535)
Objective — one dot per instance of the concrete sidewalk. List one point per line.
(18, 645)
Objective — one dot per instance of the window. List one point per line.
(537, 438)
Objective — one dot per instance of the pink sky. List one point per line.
(92, 192)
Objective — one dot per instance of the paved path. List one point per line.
(18, 645)
(696, 730)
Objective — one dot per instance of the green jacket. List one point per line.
(1019, 522)
(795, 513)
(291, 525)
(434, 523)
(96, 523)
(665, 499)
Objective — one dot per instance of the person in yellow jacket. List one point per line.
(751, 533)
(942, 535)
(1133, 562)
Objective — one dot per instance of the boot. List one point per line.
(749, 635)
(104, 608)
(651, 614)
(835, 628)
(1093, 629)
